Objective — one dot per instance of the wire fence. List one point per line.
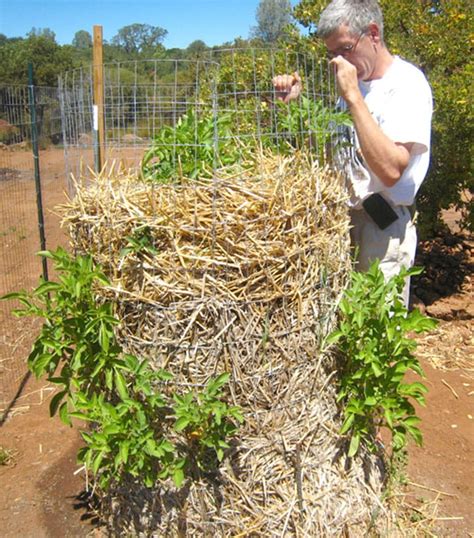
(228, 86)
(19, 224)
(162, 117)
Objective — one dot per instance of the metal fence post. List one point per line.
(34, 144)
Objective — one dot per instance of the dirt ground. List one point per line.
(43, 489)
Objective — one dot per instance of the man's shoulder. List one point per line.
(402, 67)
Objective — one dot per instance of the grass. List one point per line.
(5, 456)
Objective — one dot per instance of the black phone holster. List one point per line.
(379, 210)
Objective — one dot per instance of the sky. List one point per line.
(212, 21)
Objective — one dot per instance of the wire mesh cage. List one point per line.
(225, 238)
(187, 112)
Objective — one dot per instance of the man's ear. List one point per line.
(374, 32)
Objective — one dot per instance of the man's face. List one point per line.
(355, 48)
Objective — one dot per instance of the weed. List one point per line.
(5, 456)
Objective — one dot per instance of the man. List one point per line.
(391, 106)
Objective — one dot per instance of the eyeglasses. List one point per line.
(346, 50)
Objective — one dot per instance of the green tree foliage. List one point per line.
(42, 32)
(196, 49)
(273, 17)
(82, 40)
(48, 59)
(437, 36)
(139, 38)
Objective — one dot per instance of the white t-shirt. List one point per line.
(402, 105)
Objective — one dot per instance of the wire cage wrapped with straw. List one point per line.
(227, 245)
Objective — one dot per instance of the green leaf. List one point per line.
(181, 423)
(346, 426)
(416, 434)
(370, 401)
(376, 368)
(112, 429)
(97, 461)
(124, 451)
(64, 414)
(14, 295)
(40, 364)
(47, 287)
(55, 401)
(214, 385)
(164, 375)
(334, 337)
(354, 445)
(178, 477)
(80, 416)
(121, 386)
(388, 417)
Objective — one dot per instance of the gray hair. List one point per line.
(357, 14)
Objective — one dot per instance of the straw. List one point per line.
(243, 274)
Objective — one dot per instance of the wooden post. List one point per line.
(98, 105)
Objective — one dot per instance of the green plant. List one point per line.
(5, 456)
(77, 336)
(309, 123)
(140, 242)
(129, 434)
(373, 337)
(135, 419)
(192, 148)
(206, 419)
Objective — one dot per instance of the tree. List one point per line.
(273, 16)
(422, 32)
(196, 48)
(82, 40)
(139, 38)
(48, 58)
(47, 33)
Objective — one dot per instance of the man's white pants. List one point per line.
(394, 247)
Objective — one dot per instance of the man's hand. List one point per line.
(287, 87)
(346, 77)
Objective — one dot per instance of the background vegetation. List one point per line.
(437, 35)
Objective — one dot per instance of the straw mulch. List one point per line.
(243, 276)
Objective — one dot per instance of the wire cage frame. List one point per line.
(224, 234)
(227, 87)
(173, 122)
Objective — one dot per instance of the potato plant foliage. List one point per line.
(198, 144)
(139, 425)
(373, 338)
